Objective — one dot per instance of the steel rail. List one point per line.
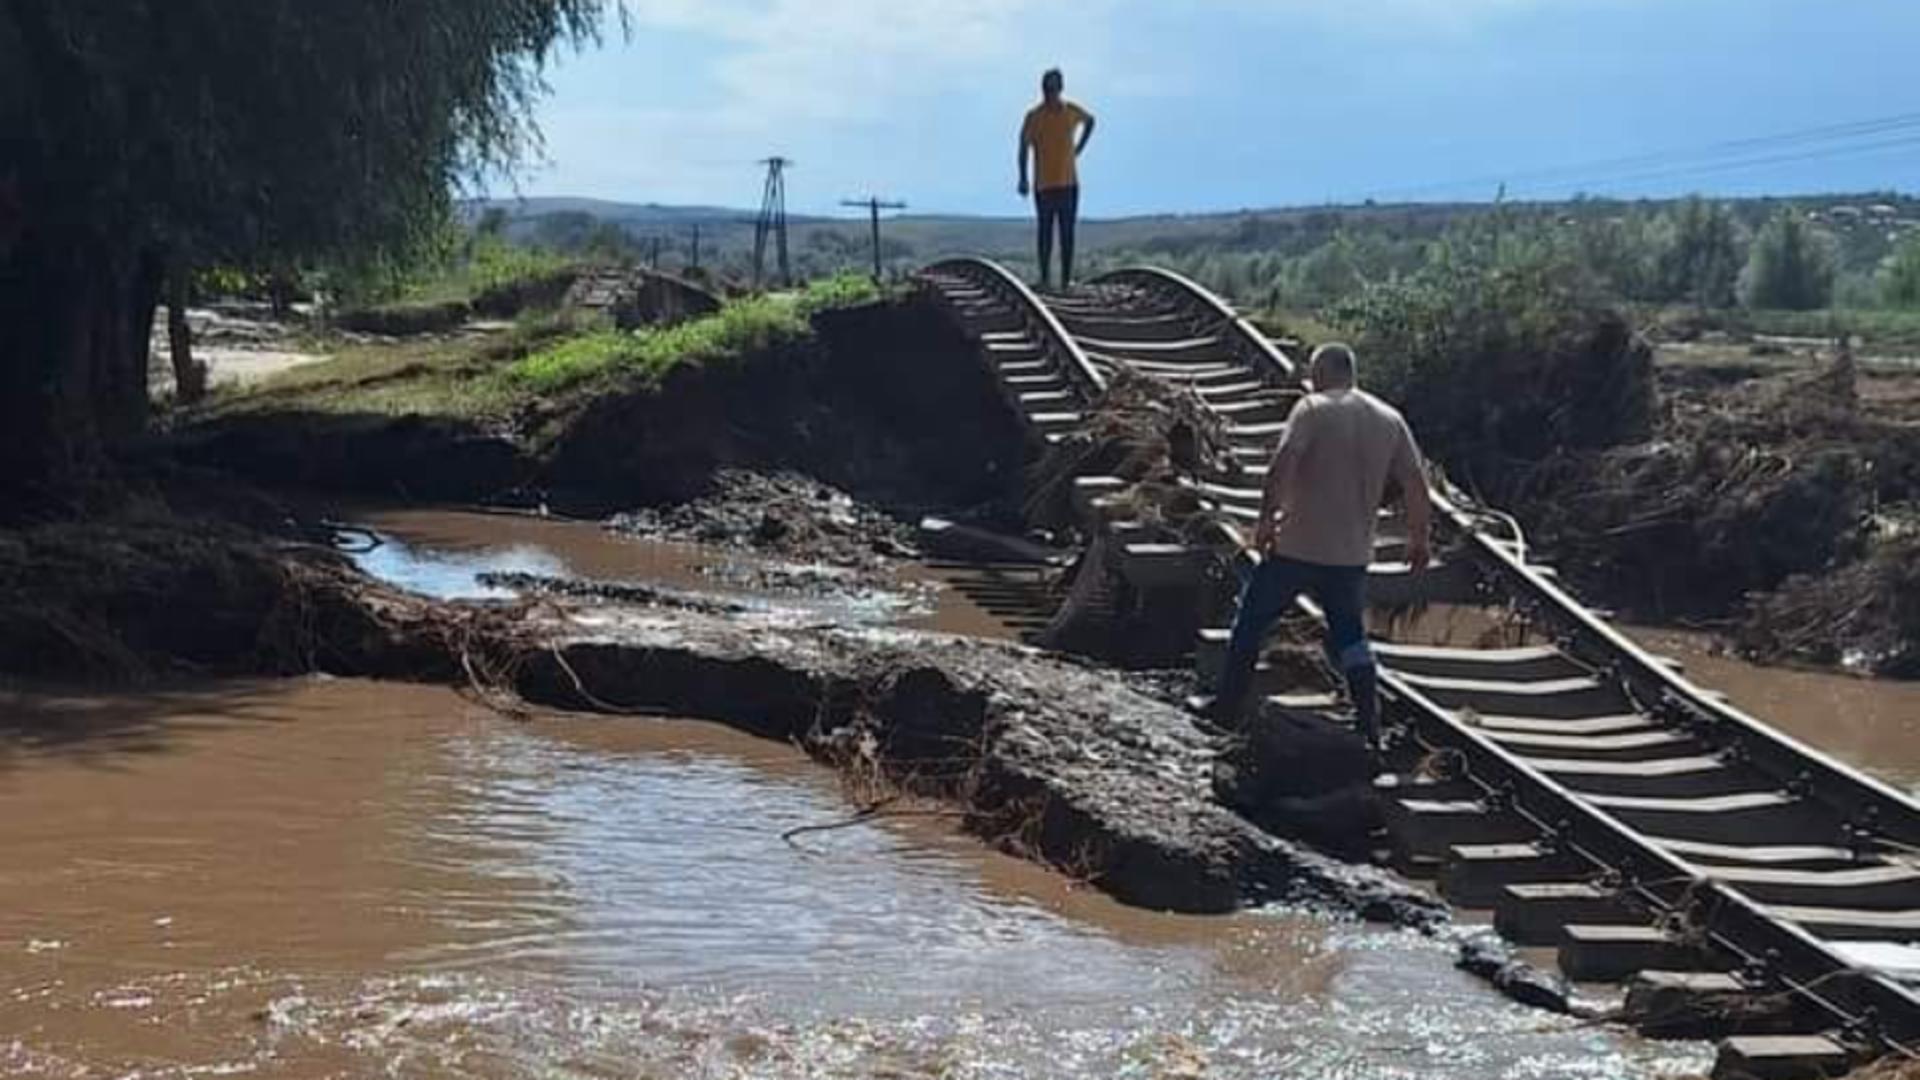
(1040, 319)
(1872, 808)
(1865, 1001)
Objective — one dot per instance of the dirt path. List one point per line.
(240, 347)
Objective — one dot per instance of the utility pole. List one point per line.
(694, 262)
(653, 252)
(772, 222)
(874, 204)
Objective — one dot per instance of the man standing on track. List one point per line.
(1317, 514)
(1050, 131)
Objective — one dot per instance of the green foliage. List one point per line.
(838, 291)
(740, 328)
(575, 360)
(1900, 278)
(1502, 349)
(262, 133)
(1700, 258)
(743, 327)
(1791, 267)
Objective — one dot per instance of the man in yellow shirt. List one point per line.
(1050, 133)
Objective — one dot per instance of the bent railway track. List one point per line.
(1746, 886)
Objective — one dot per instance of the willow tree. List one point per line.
(247, 133)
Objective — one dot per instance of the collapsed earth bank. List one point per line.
(886, 401)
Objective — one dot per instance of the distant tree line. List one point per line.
(1699, 252)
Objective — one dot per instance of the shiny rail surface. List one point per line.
(1653, 826)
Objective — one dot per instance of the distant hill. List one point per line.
(633, 214)
(1866, 222)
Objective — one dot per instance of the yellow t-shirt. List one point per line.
(1050, 131)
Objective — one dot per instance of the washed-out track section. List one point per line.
(1743, 885)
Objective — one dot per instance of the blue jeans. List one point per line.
(1057, 207)
(1341, 592)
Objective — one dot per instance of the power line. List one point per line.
(1775, 159)
(1841, 133)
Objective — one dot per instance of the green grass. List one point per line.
(738, 329)
(491, 264)
(424, 378)
(1874, 326)
(839, 291)
(547, 355)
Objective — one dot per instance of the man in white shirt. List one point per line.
(1316, 531)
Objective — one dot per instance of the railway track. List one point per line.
(1745, 886)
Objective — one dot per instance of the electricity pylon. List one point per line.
(772, 222)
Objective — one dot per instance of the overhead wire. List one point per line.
(1681, 161)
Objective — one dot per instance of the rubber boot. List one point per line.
(1363, 686)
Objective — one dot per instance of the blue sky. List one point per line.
(1224, 104)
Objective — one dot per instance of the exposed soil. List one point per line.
(887, 402)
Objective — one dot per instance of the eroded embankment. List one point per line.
(886, 400)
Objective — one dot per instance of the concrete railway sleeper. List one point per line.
(1583, 789)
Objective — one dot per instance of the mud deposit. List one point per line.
(331, 878)
(457, 555)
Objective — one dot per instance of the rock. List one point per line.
(1492, 959)
(1298, 774)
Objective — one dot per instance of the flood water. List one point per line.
(325, 878)
(442, 553)
(1871, 724)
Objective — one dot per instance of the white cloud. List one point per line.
(852, 60)
(919, 85)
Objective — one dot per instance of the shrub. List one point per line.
(1501, 353)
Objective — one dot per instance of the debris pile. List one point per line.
(782, 513)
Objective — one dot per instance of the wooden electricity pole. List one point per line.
(874, 204)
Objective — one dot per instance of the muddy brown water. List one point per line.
(442, 552)
(326, 878)
(1871, 724)
(332, 878)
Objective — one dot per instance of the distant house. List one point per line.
(1845, 215)
(1883, 211)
